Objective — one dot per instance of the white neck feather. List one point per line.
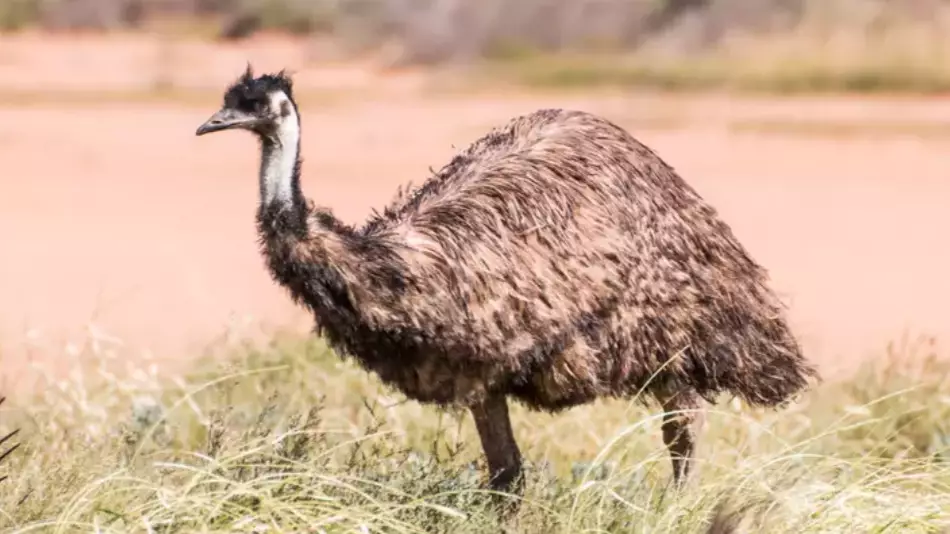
(280, 156)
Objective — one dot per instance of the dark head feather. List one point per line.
(248, 93)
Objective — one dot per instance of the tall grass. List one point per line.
(291, 439)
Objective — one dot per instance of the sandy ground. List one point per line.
(117, 216)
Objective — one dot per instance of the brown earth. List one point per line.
(115, 215)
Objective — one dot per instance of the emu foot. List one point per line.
(508, 487)
(507, 480)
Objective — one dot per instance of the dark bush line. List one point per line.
(433, 31)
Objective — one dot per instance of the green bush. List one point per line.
(18, 14)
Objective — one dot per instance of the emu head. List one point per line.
(262, 105)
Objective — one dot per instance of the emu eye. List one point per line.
(249, 105)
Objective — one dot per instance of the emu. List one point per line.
(554, 261)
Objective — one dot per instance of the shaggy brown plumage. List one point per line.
(555, 260)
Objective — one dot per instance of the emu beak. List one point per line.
(225, 119)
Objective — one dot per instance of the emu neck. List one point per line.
(280, 171)
(323, 262)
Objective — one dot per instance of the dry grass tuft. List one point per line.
(291, 439)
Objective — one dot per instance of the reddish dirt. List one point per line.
(116, 215)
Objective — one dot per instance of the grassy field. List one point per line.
(293, 439)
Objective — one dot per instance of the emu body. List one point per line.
(554, 261)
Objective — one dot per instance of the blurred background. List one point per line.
(819, 129)
(769, 44)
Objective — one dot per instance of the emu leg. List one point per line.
(681, 432)
(498, 442)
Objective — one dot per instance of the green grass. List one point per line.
(291, 439)
(776, 73)
(862, 128)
